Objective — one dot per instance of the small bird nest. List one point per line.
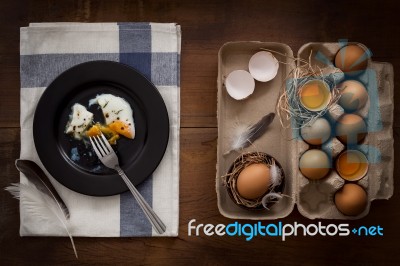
(289, 107)
(272, 195)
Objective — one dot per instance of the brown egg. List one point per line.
(351, 129)
(253, 181)
(351, 58)
(314, 164)
(317, 132)
(351, 199)
(353, 95)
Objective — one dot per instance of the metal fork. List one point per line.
(108, 157)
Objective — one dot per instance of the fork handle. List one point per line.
(156, 222)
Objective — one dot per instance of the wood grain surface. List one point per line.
(206, 25)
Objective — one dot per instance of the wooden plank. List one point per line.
(206, 26)
(197, 201)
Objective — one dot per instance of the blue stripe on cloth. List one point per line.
(164, 69)
(40, 70)
(134, 38)
(140, 61)
(135, 51)
(133, 221)
(160, 68)
(178, 70)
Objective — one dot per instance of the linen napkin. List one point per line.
(47, 50)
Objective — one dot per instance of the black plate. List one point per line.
(73, 163)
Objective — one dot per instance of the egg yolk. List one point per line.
(111, 135)
(113, 139)
(312, 96)
(94, 131)
(121, 128)
(111, 131)
(351, 167)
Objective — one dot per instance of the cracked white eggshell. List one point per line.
(239, 84)
(263, 66)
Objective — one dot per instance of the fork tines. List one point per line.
(101, 146)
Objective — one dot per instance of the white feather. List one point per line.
(244, 134)
(269, 198)
(41, 206)
(276, 175)
(239, 136)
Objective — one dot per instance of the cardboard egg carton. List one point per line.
(314, 198)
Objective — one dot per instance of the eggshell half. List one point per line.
(315, 95)
(352, 165)
(263, 66)
(239, 84)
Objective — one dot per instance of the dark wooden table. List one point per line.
(206, 25)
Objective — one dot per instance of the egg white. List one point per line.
(79, 120)
(115, 109)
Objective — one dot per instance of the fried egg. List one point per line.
(117, 113)
(79, 120)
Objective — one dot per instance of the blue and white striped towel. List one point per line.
(47, 50)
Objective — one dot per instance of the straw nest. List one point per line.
(273, 193)
(289, 109)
